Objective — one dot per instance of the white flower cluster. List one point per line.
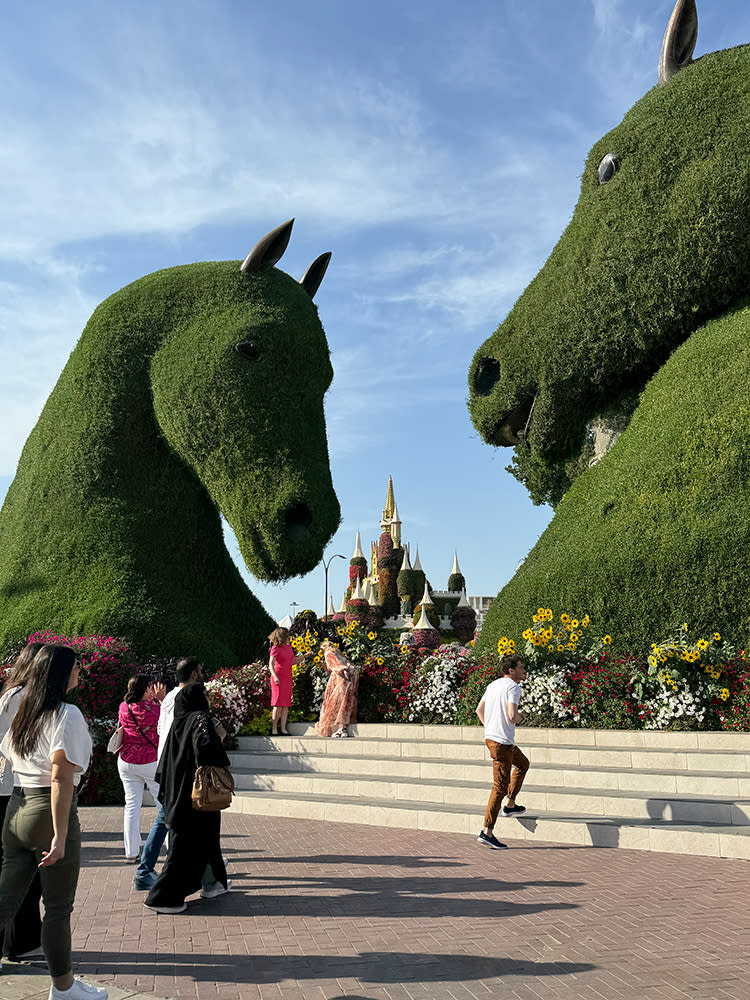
(670, 704)
(230, 702)
(436, 689)
(543, 693)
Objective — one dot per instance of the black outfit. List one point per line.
(24, 932)
(193, 836)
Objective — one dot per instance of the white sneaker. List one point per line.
(216, 890)
(167, 909)
(78, 991)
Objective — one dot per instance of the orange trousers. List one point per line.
(509, 767)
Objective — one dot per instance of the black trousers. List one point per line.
(24, 932)
(193, 845)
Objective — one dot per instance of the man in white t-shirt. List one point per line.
(498, 713)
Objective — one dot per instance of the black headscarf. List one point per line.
(192, 742)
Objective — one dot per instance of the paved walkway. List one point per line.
(342, 912)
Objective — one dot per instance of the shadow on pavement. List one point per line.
(376, 967)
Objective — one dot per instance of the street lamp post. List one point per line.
(326, 564)
(293, 605)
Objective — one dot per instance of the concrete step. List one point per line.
(537, 797)
(458, 751)
(675, 792)
(378, 761)
(709, 840)
(527, 735)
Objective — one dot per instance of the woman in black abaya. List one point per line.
(194, 859)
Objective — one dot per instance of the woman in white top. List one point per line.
(22, 936)
(49, 747)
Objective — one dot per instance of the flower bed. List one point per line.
(576, 678)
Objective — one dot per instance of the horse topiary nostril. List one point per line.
(486, 376)
(297, 522)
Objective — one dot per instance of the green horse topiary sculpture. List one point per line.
(639, 318)
(195, 391)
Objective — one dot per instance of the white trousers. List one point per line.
(134, 778)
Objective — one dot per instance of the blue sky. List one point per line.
(436, 149)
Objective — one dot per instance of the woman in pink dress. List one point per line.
(339, 707)
(280, 665)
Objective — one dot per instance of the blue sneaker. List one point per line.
(145, 882)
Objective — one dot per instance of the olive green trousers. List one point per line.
(27, 832)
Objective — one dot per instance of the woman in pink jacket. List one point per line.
(138, 715)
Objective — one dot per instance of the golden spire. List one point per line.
(390, 502)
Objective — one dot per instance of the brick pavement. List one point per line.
(344, 912)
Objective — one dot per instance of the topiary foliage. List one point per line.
(375, 618)
(426, 638)
(410, 583)
(648, 257)
(389, 559)
(456, 582)
(433, 615)
(193, 391)
(357, 569)
(658, 532)
(657, 254)
(357, 611)
(464, 623)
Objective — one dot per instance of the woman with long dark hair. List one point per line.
(22, 935)
(49, 747)
(194, 860)
(136, 763)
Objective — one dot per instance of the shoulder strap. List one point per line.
(140, 730)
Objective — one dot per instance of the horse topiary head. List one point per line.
(238, 386)
(659, 242)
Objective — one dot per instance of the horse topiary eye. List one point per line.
(248, 350)
(608, 168)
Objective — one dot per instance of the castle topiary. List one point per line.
(640, 310)
(195, 391)
(389, 560)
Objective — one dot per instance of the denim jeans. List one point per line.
(156, 837)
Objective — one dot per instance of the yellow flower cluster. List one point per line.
(305, 643)
(566, 637)
(505, 646)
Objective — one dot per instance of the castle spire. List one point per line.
(390, 501)
(455, 564)
(358, 553)
(331, 610)
(417, 563)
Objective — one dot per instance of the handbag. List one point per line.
(213, 788)
(115, 740)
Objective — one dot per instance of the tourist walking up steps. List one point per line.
(187, 671)
(498, 713)
(49, 747)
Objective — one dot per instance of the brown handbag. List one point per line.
(213, 788)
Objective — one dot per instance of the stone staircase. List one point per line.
(684, 793)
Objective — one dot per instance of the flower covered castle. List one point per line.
(395, 593)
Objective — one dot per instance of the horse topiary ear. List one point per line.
(679, 40)
(315, 273)
(269, 250)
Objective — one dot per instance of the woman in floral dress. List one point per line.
(339, 707)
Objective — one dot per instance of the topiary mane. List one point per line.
(195, 391)
(640, 310)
